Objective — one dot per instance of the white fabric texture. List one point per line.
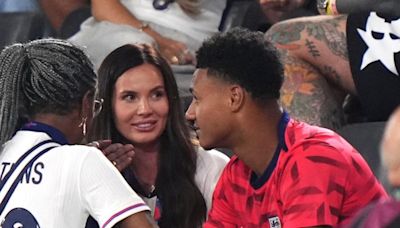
(99, 38)
(210, 164)
(67, 184)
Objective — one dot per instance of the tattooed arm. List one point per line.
(314, 53)
(319, 41)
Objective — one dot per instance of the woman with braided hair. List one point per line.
(47, 105)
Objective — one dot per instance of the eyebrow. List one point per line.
(158, 87)
(152, 90)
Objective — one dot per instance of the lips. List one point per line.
(196, 129)
(145, 125)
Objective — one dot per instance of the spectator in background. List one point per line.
(284, 173)
(328, 57)
(385, 213)
(175, 28)
(174, 176)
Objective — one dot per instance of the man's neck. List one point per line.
(258, 140)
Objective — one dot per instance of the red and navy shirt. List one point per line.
(315, 178)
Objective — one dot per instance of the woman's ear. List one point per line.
(87, 105)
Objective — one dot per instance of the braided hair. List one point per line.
(42, 76)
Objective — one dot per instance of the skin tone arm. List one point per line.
(318, 41)
(308, 47)
(114, 11)
(384, 6)
(139, 220)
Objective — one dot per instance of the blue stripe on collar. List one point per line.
(257, 182)
(283, 122)
(54, 133)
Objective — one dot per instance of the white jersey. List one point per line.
(210, 164)
(64, 185)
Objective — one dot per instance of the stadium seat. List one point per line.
(366, 138)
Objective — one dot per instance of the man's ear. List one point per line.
(394, 176)
(237, 97)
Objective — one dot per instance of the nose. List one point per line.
(190, 113)
(144, 107)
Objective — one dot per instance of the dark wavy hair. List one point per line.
(242, 56)
(181, 200)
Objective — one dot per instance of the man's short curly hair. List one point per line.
(242, 56)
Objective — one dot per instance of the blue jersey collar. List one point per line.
(54, 133)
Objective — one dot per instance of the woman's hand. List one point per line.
(174, 51)
(120, 155)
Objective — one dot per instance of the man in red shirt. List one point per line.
(284, 173)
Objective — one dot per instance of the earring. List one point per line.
(83, 125)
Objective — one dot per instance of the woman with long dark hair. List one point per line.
(142, 107)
